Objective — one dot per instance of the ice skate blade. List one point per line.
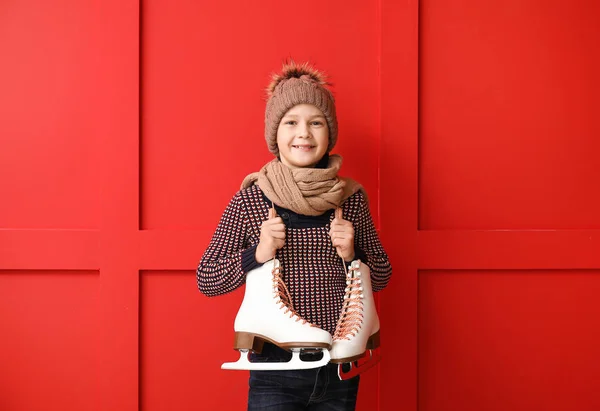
(359, 366)
(294, 364)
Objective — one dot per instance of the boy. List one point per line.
(288, 210)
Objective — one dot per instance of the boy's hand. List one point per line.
(272, 237)
(342, 236)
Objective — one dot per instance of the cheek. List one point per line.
(279, 136)
(324, 138)
(324, 133)
(282, 141)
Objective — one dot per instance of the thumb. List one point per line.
(272, 213)
(338, 213)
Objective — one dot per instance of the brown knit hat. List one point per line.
(298, 84)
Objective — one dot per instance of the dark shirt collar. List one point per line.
(323, 162)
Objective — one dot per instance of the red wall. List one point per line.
(489, 205)
(126, 127)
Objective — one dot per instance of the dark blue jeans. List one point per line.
(317, 389)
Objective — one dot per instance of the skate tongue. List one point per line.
(283, 295)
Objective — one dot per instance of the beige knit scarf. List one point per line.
(307, 191)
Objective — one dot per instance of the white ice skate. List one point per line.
(358, 327)
(266, 314)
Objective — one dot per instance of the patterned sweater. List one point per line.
(312, 270)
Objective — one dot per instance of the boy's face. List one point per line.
(302, 136)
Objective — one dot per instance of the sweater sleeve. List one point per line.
(220, 270)
(367, 241)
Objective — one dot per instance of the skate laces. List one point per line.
(283, 295)
(351, 318)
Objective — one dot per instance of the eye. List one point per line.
(290, 122)
(317, 123)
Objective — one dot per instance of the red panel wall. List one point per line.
(68, 184)
(519, 340)
(49, 340)
(52, 68)
(494, 214)
(508, 107)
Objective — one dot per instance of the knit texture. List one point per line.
(312, 270)
(307, 191)
(298, 84)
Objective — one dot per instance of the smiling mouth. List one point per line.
(304, 147)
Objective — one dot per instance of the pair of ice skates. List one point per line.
(266, 314)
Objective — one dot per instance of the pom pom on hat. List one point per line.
(295, 70)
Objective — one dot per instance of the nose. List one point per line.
(303, 131)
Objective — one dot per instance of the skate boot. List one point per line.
(266, 314)
(358, 327)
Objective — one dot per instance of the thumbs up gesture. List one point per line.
(272, 237)
(342, 236)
